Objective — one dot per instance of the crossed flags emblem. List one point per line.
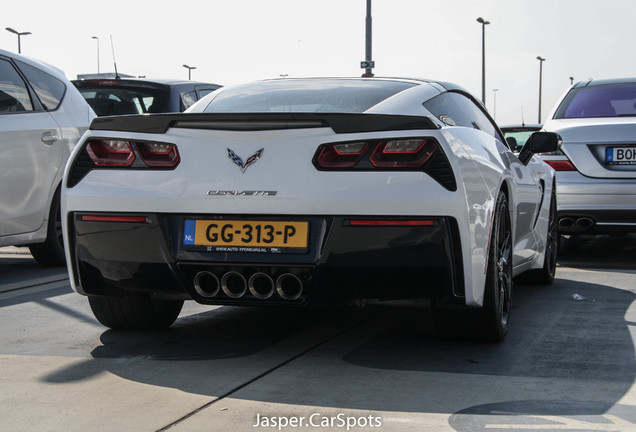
(238, 161)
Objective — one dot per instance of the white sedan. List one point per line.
(42, 117)
(293, 191)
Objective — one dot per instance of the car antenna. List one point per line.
(523, 122)
(112, 47)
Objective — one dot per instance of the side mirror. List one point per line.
(539, 142)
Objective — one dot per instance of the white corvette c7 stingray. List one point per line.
(296, 191)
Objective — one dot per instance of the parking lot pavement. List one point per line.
(568, 364)
(19, 271)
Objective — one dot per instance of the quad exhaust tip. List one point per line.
(262, 286)
(289, 286)
(234, 284)
(206, 284)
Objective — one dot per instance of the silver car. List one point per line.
(596, 169)
(42, 116)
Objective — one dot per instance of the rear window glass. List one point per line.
(287, 95)
(112, 100)
(602, 101)
(49, 89)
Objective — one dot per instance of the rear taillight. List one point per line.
(561, 165)
(343, 155)
(410, 153)
(158, 154)
(103, 153)
(400, 154)
(111, 153)
(388, 154)
(120, 153)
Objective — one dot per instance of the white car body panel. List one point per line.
(206, 182)
(34, 148)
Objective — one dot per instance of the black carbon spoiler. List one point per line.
(340, 123)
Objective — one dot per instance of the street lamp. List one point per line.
(189, 70)
(97, 39)
(368, 63)
(483, 58)
(571, 80)
(494, 115)
(541, 60)
(19, 34)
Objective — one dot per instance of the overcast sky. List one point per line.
(234, 41)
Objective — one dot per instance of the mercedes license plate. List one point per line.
(621, 156)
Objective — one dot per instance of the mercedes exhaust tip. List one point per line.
(567, 222)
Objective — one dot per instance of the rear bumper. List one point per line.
(595, 206)
(341, 262)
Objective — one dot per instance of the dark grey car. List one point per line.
(140, 95)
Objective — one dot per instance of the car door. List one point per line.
(29, 156)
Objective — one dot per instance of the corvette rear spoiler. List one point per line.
(340, 123)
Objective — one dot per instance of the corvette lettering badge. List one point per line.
(250, 160)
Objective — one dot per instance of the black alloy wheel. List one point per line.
(495, 314)
(546, 274)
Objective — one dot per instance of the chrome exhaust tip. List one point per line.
(261, 285)
(206, 284)
(584, 223)
(289, 286)
(567, 222)
(233, 284)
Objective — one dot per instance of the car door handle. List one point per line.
(49, 138)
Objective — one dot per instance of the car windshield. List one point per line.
(615, 100)
(113, 100)
(288, 95)
(516, 137)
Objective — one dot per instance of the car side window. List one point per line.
(456, 109)
(49, 89)
(188, 99)
(14, 96)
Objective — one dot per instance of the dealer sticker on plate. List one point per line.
(620, 156)
(247, 235)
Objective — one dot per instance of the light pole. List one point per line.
(483, 23)
(541, 60)
(97, 39)
(189, 70)
(19, 35)
(571, 80)
(368, 44)
(494, 114)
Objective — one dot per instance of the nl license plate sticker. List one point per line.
(247, 235)
(620, 156)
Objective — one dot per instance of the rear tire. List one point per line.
(135, 311)
(51, 252)
(494, 316)
(545, 275)
(490, 322)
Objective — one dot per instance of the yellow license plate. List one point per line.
(247, 233)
